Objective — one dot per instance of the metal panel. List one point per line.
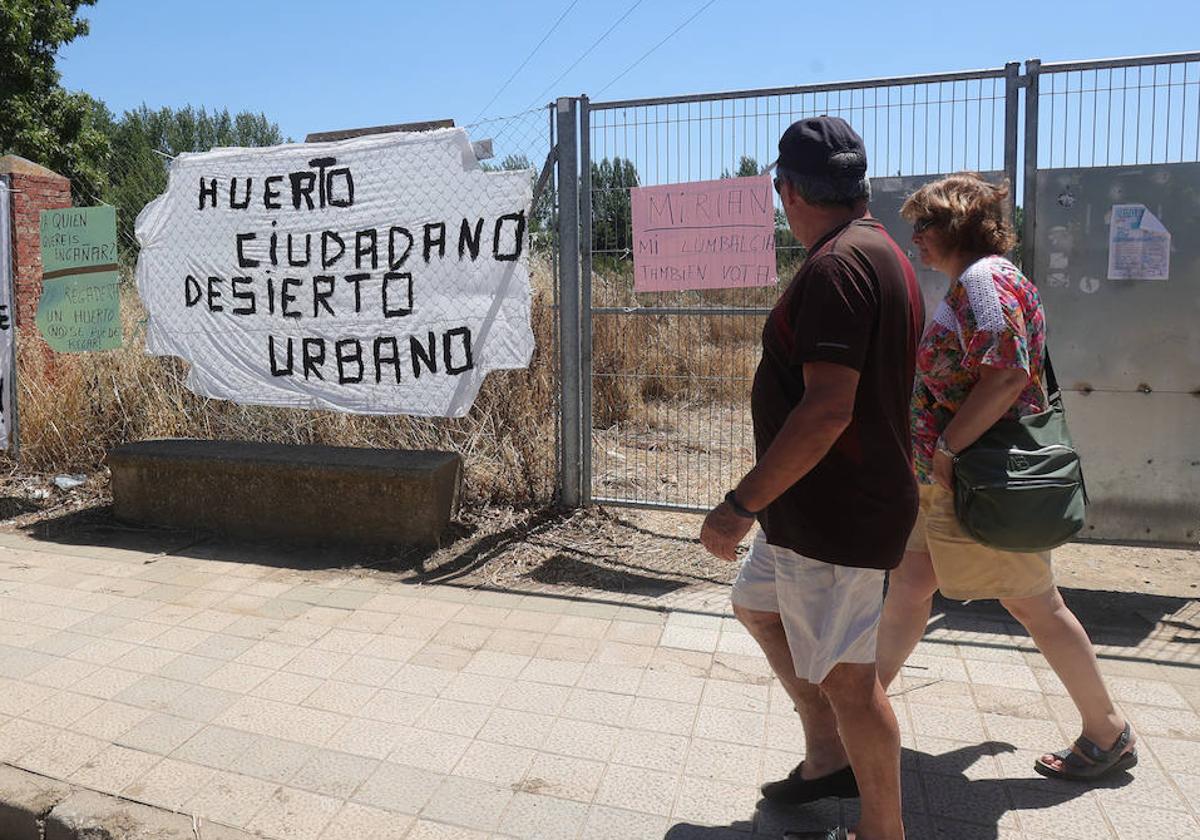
(887, 196)
(1141, 461)
(1119, 335)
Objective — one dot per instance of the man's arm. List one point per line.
(809, 432)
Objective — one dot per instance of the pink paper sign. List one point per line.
(703, 235)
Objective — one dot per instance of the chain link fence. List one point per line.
(74, 408)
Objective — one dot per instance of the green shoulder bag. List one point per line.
(1020, 486)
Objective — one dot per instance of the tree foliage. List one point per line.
(612, 219)
(144, 139)
(40, 120)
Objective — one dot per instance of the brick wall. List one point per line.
(31, 195)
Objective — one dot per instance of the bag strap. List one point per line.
(1053, 392)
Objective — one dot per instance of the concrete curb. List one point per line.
(34, 807)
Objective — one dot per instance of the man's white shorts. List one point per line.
(830, 613)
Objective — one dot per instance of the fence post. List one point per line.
(1029, 227)
(568, 304)
(1012, 100)
(585, 263)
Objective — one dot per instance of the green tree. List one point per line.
(612, 219)
(541, 218)
(40, 120)
(143, 140)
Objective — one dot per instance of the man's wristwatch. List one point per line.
(731, 498)
(945, 449)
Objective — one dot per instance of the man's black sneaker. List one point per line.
(796, 791)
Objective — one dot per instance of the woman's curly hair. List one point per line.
(971, 212)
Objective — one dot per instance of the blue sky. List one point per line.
(313, 66)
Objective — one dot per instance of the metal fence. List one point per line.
(666, 382)
(663, 378)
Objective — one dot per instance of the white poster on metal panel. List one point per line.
(1139, 246)
(385, 274)
(7, 333)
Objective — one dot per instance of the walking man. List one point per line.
(833, 487)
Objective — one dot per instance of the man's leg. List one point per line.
(823, 753)
(905, 613)
(872, 740)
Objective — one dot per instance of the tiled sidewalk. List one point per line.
(329, 704)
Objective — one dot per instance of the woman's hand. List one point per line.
(943, 470)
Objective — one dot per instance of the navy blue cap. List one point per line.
(822, 146)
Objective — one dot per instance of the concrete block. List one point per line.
(309, 493)
(93, 816)
(25, 799)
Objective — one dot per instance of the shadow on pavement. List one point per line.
(950, 805)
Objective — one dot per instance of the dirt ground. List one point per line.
(595, 550)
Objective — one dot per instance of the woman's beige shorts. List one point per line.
(966, 570)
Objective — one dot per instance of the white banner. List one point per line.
(387, 274)
(7, 333)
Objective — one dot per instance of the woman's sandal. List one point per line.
(1087, 762)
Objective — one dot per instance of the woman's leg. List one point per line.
(1065, 644)
(905, 613)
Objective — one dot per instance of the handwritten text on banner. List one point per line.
(381, 275)
(704, 235)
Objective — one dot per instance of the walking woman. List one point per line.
(982, 358)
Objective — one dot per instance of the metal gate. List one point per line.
(655, 389)
(666, 376)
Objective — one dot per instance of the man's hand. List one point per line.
(723, 530)
(943, 470)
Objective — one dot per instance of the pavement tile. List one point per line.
(712, 802)
(215, 746)
(620, 679)
(662, 685)
(516, 728)
(663, 715)
(468, 802)
(354, 821)
(607, 823)
(739, 696)
(368, 670)
(159, 733)
(430, 830)
(597, 706)
(537, 697)
(395, 787)
(476, 688)
(723, 761)
(446, 657)
(581, 739)
(636, 789)
(169, 784)
(552, 671)
(110, 720)
(230, 798)
(60, 753)
(334, 696)
(62, 709)
(532, 816)
(291, 813)
(652, 750)
(728, 725)
(273, 759)
(113, 768)
(496, 764)
(330, 773)
(284, 687)
(190, 668)
(563, 776)
(449, 716)
(428, 750)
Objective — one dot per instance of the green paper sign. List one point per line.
(78, 237)
(81, 313)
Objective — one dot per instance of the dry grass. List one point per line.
(73, 409)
